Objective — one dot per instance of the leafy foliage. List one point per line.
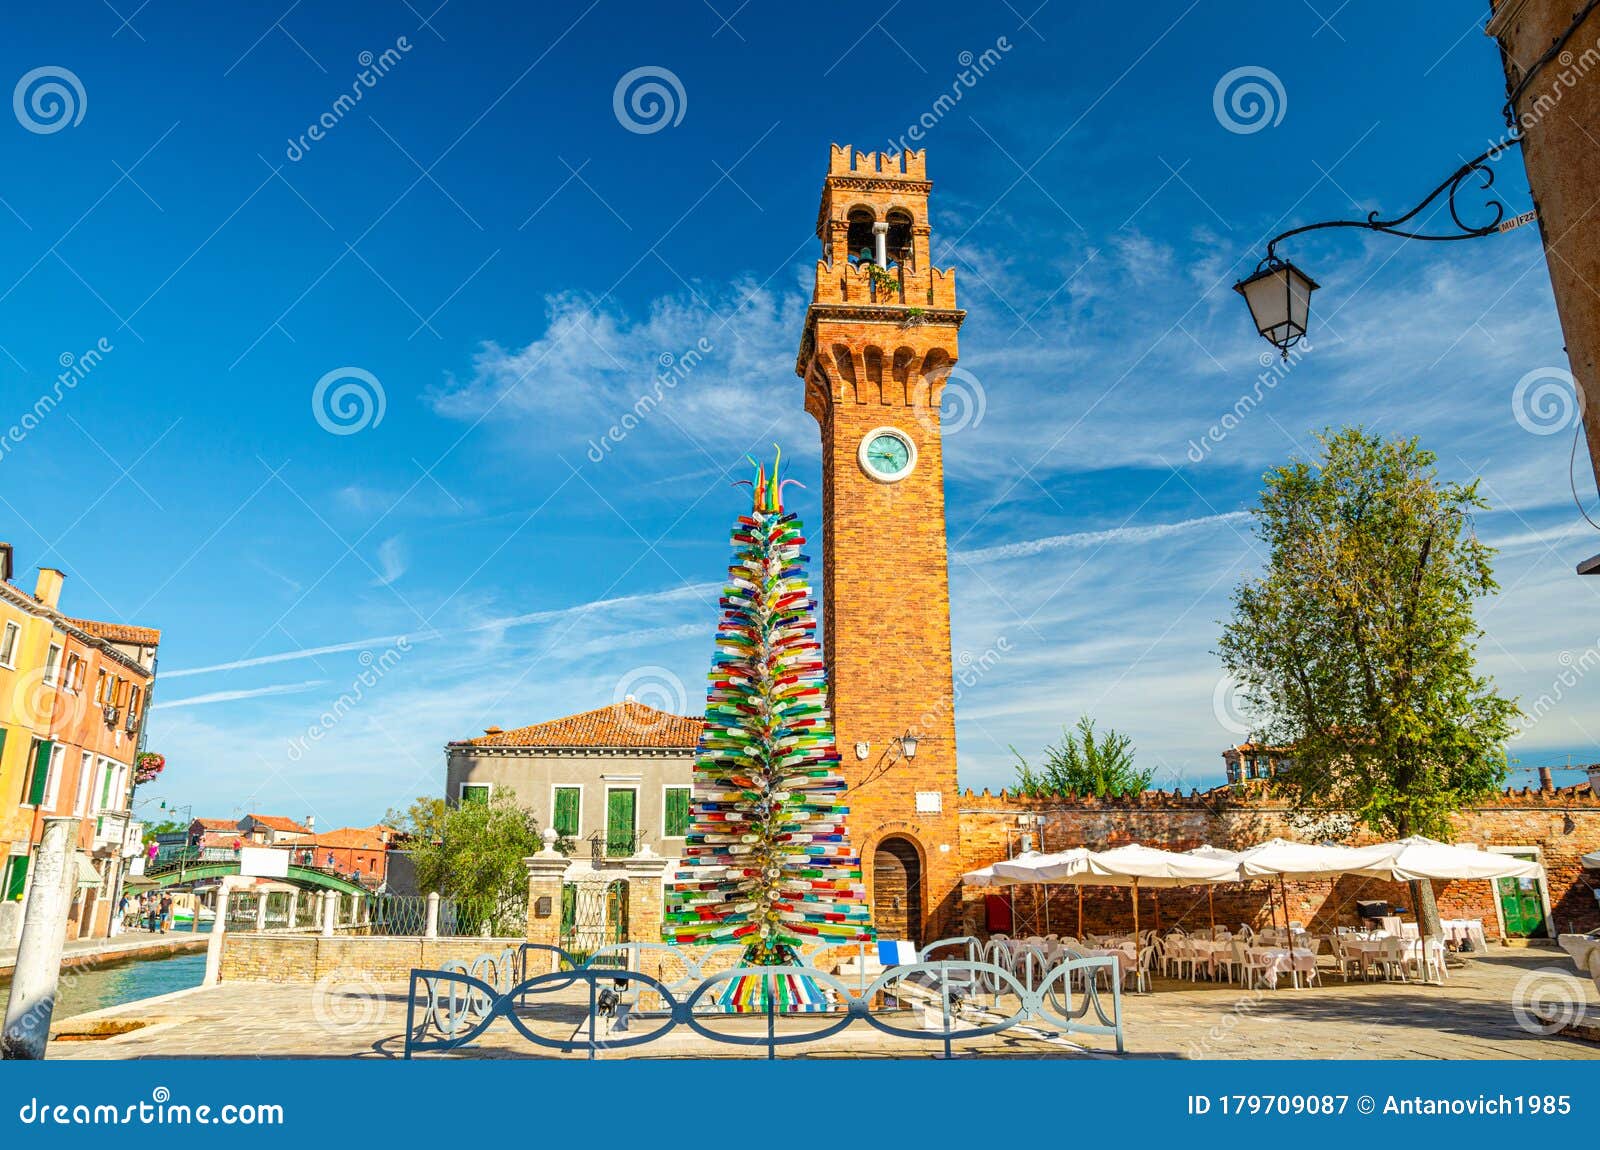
(1356, 647)
(472, 853)
(1083, 765)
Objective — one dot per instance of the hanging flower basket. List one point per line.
(147, 767)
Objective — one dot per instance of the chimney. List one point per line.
(311, 823)
(1546, 781)
(5, 562)
(48, 589)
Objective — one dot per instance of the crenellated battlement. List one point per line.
(848, 161)
(902, 286)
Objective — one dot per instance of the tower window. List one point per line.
(860, 235)
(899, 237)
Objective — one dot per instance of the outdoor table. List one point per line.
(1208, 950)
(1126, 959)
(1458, 931)
(1367, 949)
(1286, 961)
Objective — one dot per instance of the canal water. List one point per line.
(96, 986)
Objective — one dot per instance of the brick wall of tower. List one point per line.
(875, 357)
(887, 619)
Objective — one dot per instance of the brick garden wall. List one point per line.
(306, 958)
(1525, 818)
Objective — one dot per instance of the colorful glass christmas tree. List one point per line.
(767, 859)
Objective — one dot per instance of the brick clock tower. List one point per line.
(879, 342)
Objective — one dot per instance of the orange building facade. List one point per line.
(73, 699)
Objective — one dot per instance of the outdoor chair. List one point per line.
(1232, 965)
(1140, 973)
(1392, 959)
(1261, 970)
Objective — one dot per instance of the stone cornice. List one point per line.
(867, 313)
(506, 751)
(1504, 14)
(21, 599)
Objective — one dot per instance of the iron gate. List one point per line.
(593, 915)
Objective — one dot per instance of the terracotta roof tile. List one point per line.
(218, 824)
(352, 838)
(119, 632)
(625, 724)
(278, 823)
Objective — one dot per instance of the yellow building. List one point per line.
(27, 703)
(74, 694)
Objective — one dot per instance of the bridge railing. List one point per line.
(387, 915)
(944, 1000)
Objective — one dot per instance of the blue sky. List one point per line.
(484, 237)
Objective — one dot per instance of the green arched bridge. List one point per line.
(176, 871)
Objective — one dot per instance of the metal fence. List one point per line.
(954, 998)
(392, 915)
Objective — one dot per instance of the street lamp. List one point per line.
(1279, 298)
(1279, 294)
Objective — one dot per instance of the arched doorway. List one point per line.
(897, 890)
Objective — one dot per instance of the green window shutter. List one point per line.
(620, 823)
(566, 814)
(16, 877)
(475, 793)
(677, 822)
(41, 772)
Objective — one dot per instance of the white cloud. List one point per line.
(391, 561)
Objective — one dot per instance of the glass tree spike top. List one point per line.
(767, 858)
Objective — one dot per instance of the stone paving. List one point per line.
(1471, 1016)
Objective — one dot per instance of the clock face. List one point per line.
(887, 454)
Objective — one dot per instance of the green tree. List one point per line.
(1082, 765)
(1356, 646)
(472, 854)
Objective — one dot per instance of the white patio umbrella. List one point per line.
(1417, 858)
(1135, 866)
(1286, 860)
(1219, 855)
(1591, 861)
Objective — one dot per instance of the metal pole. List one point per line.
(1080, 912)
(44, 934)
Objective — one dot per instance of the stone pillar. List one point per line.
(880, 244)
(546, 872)
(646, 895)
(432, 929)
(294, 907)
(330, 913)
(219, 927)
(44, 933)
(261, 910)
(1556, 115)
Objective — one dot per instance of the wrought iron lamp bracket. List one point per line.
(1398, 225)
